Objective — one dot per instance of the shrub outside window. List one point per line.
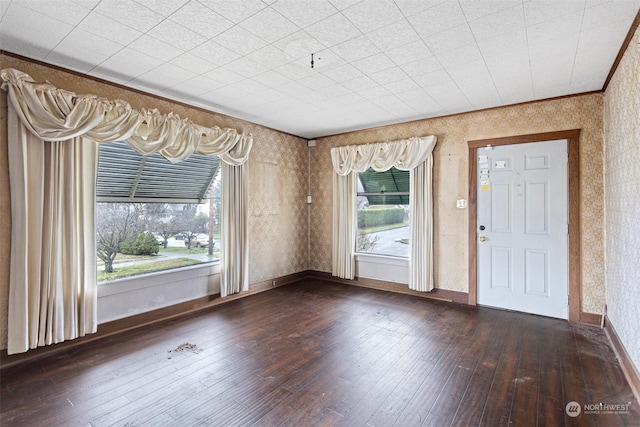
(383, 213)
(153, 215)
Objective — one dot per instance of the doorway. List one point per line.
(501, 258)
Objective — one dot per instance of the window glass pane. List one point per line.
(383, 212)
(140, 238)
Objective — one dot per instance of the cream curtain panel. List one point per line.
(52, 137)
(414, 155)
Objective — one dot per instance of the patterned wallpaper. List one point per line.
(278, 172)
(622, 184)
(451, 179)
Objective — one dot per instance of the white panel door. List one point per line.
(522, 227)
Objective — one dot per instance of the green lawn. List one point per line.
(147, 267)
(382, 228)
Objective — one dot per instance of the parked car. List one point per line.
(179, 236)
(198, 241)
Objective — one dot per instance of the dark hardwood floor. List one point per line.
(320, 353)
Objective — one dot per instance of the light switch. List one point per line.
(461, 204)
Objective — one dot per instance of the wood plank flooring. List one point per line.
(320, 353)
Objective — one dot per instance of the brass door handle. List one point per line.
(482, 238)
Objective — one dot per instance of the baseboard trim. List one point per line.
(590, 318)
(139, 320)
(628, 368)
(401, 288)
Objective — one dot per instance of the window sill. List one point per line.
(138, 294)
(382, 267)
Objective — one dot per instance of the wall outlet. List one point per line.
(461, 204)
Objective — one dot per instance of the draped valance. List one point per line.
(413, 154)
(404, 154)
(54, 114)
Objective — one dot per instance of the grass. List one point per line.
(127, 258)
(147, 267)
(382, 228)
(193, 250)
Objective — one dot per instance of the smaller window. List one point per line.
(383, 212)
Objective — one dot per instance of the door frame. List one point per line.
(574, 285)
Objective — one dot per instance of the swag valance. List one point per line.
(55, 114)
(413, 154)
(53, 137)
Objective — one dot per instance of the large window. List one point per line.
(383, 212)
(154, 215)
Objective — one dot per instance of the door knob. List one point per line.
(482, 238)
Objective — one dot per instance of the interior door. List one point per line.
(522, 227)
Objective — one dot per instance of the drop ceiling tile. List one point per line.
(374, 63)
(402, 86)
(126, 65)
(537, 12)
(224, 75)
(433, 78)
(474, 10)
(316, 81)
(269, 25)
(197, 86)
(165, 75)
(450, 39)
(375, 92)
(389, 75)
(240, 41)
(271, 78)
(61, 10)
(355, 49)
(4, 6)
(469, 70)
(246, 67)
(95, 50)
(333, 30)
(108, 28)
(30, 33)
(386, 12)
(200, 19)
(411, 7)
(566, 46)
(409, 53)
(234, 10)
(193, 63)
(399, 33)
(296, 70)
(299, 45)
(502, 22)
(335, 91)
(270, 57)
(215, 53)
(156, 48)
(564, 27)
(301, 14)
(163, 7)
(344, 4)
(176, 35)
(343, 73)
(597, 15)
(439, 18)
(513, 42)
(460, 55)
(129, 13)
(422, 66)
(360, 84)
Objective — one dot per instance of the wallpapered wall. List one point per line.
(622, 181)
(278, 172)
(451, 182)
